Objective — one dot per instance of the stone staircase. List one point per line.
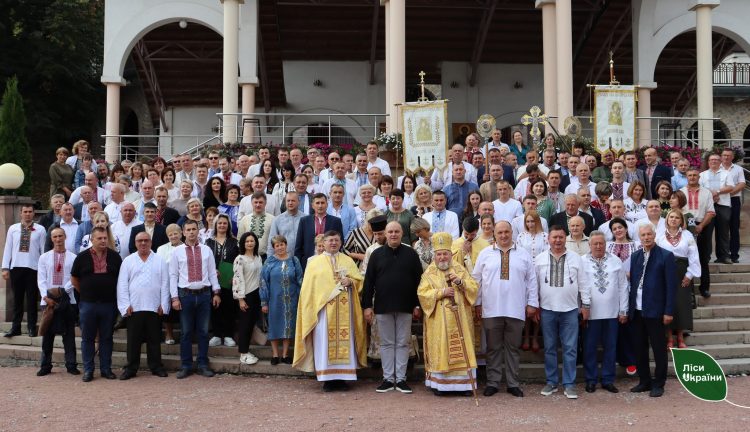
(721, 328)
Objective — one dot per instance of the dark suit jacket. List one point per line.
(659, 283)
(562, 220)
(47, 220)
(660, 173)
(169, 217)
(77, 209)
(598, 215)
(564, 182)
(159, 238)
(304, 246)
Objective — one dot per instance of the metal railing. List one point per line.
(304, 128)
(153, 145)
(732, 74)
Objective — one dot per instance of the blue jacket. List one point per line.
(348, 219)
(659, 283)
(304, 246)
(84, 228)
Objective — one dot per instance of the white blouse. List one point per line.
(246, 278)
(533, 243)
(634, 211)
(685, 248)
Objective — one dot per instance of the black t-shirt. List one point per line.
(101, 287)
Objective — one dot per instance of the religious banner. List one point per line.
(425, 135)
(614, 118)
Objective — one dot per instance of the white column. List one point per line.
(231, 65)
(704, 71)
(397, 59)
(644, 110)
(564, 45)
(112, 123)
(248, 107)
(387, 65)
(549, 48)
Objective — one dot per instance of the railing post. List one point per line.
(329, 131)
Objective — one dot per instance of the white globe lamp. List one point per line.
(11, 176)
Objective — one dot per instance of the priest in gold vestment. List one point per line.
(448, 341)
(330, 335)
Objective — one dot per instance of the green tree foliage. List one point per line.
(55, 48)
(13, 144)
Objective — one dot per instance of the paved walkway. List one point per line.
(60, 402)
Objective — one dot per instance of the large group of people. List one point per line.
(501, 251)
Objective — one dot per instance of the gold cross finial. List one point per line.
(421, 86)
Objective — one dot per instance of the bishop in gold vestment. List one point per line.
(330, 335)
(445, 352)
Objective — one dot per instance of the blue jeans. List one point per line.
(562, 326)
(602, 331)
(97, 318)
(194, 317)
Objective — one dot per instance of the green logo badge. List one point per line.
(701, 375)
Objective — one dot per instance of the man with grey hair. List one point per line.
(609, 287)
(651, 305)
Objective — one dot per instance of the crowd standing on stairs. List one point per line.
(595, 252)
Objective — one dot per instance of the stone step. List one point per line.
(727, 277)
(722, 311)
(719, 337)
(730, 287)
(721, 324)
(717, 299)
(529, 372)
(728, 268)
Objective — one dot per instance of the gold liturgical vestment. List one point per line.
(443, 350)
(468, 261)
(343, 310)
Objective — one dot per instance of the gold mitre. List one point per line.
(441, 241)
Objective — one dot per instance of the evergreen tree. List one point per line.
(14, 147)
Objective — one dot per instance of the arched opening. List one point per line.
(178, 67)
(130, 145)
(721, 133)
(675, 72)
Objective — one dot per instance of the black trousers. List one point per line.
(247, 320)
(23, 281)
(224, 317)
(721, 230)
(144, 326)
(734, 228)
(704, 242)
(69, 344)
(650, 331)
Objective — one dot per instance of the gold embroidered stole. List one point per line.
(339, 323)
(456, 353)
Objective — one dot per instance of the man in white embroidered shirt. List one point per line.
(143, 297)
(609, 289)
(507, 295)
(561, 281)
(192, 279)
(54, 272)
(24, 243)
